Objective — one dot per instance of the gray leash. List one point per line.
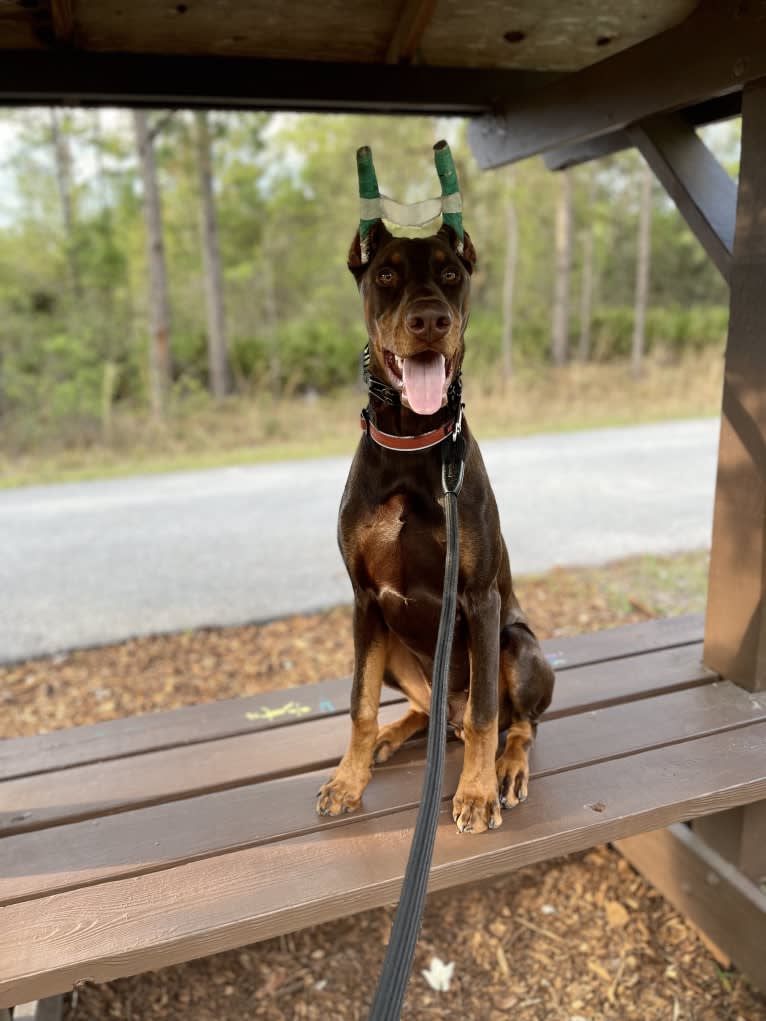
(395, 973)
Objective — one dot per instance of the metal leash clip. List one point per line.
(458, 423)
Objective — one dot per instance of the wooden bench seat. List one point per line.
(139, 843)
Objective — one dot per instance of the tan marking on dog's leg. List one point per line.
(343, 792)
(409, 674)
(391, 737)
(476, 806)
(513, 765)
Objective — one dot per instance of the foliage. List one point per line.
(74, 295)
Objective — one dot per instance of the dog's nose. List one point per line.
(429, 320)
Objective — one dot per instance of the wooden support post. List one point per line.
(709, 891)
(735, 630)
(705, 194)
(49, 1009)
(739, 836)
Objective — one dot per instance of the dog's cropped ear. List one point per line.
(468, 255)
(377, 237)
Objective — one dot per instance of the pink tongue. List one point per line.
(424, 382)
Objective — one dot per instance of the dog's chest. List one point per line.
(399, 552)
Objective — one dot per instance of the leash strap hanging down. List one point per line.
(395, 973)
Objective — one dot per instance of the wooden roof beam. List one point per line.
(151, 80)
(718, 109)
(62, 21)
(410, 29)
(719, 48)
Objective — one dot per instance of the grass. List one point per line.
(247, 430)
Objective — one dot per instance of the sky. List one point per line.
(722, 139)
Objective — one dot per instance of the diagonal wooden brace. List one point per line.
(703, 191)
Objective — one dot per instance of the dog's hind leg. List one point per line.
(403, 671)
(391, 737)
(526, 681)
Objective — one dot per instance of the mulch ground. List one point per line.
(581, 938)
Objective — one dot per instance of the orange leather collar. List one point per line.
(392, 442)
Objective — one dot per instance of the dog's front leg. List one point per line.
(476, 806)
(343, 792)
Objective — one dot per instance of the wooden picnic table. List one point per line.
(134, 844)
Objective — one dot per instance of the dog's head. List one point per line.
(416, 294)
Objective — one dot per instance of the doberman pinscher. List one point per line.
(391, 531)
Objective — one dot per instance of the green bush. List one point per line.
(611, 333)
(676, 329)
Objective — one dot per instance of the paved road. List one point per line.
(94, 562)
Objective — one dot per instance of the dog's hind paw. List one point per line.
(512, 779)
(382, 752)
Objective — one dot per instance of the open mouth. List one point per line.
(422, 379)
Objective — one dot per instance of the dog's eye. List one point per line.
(450, 276)
(386, 277)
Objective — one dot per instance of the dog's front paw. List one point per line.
(338, 797)
(475, 809)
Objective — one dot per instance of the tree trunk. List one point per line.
(64, 183)
(642, 270)
(586, 294)
(586, 282)
(159, 346)
(217, 350)
(509, 278)
(270, 314)
(560, 330)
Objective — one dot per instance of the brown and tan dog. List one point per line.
(391, 532)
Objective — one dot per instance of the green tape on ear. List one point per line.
(368, 185)
(445, 168)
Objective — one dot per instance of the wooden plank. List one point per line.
(133, 735)
(462, 34)
(735, 638)
(248, 83)
(38, 863)
(719, 48)
(705, 194)
(707, 112)
(410, 26)
(627, 680)
(712, 893)
(83, 792)
(147, 922)
(151, 732)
